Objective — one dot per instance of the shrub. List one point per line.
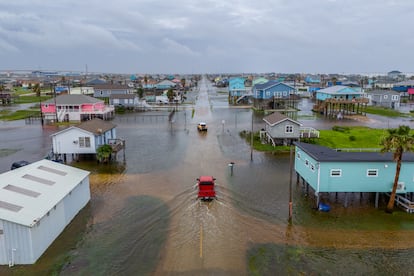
(352, 138)
(340, 128)
(103, 153)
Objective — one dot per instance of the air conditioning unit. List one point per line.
(400, 186)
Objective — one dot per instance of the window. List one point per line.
(289, 129)
(372, 172)
(385, 97)
(84, 142)
(336, 172)
(394, 97)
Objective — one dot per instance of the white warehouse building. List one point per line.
(37, 202)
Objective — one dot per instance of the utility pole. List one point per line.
(54, 98)
(290, 184)
(251, 140)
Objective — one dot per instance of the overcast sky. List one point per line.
(210, 36)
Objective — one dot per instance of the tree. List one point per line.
(183, 83)
(146, 81)
(103, 153)
(170, 95)
(140, 92)
(398, 141)
(36, 89)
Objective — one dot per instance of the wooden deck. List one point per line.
(309, 132)
(116, 144)
(404, 203)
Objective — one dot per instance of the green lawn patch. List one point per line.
(358, 138)
(351, 137)
(388, 112)
(31, 99)
(19, 114)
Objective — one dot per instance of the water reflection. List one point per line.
(144, 218)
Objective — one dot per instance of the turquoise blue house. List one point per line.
(260, 80)
(236, 88)
(165, 84)
(338, 101)
(313, 79)
(329, 171)
(338, 92)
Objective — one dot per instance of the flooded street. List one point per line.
(144, 218)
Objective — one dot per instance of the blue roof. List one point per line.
(270, 84)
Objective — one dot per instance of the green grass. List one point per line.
(30, 99)
(351, 137)
(385, 112)
(338, 137)
(18, 115)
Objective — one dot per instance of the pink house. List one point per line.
(410, 93)
(75, 108)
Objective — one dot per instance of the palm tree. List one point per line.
(183, 83)
(146, 81)
(140, 92)
(36, 89)
(170, 95)
(398, 141)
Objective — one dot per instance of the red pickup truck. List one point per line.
(206, 189)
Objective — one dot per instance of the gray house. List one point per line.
(385, 98)
(106, 90)
(281, 130)
(129, 101)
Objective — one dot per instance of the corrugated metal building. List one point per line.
(37, 201)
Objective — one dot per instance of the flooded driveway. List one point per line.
(144, 218)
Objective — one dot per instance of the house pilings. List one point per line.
(340, 107)
(347, 196)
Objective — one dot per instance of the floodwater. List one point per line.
(144, 219)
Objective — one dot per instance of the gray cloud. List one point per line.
(184, 36)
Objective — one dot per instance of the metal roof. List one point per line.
(339, 90)
(383, 91)
(28, 193)
(95, 126)
(324, 154)
(277, 117)
(73, 100)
